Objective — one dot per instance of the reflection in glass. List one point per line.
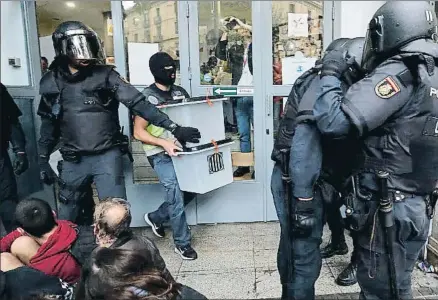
(297, 38)
(150, 26)
(225, 42)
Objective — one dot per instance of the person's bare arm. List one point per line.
(141, 134)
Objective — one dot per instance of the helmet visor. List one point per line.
(373, 43)
(83, 47)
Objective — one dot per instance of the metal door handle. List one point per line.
(268, 105)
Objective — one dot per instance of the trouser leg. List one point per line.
(8, 192)
(411, 227)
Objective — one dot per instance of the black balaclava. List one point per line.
(163, 68)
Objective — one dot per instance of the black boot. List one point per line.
(240, 171)
(333, 249)
(348, 276)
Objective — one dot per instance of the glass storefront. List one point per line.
(248, 51)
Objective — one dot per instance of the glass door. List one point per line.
(297, 31)
(224, 61)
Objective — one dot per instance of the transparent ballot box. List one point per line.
(204, 168)
(203, 113)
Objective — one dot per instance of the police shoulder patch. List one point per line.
(387, 88)
(153, 100)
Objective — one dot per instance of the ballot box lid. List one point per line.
(204, 147)
(192, 100)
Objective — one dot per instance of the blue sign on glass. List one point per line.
(300, 69)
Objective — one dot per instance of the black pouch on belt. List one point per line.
(358, 207)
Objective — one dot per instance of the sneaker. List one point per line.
(157, 229)
(347, 276)
(186, 252)
(332, 250)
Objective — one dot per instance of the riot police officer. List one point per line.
(294, 285)
(394, 111)
(10, 132)
(159, 146)
(79, 107)
(319, 168)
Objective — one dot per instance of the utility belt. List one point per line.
(122, 142)
(361, 204)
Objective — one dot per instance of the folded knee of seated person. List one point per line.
(53, 256)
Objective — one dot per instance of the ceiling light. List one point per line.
(70, 4)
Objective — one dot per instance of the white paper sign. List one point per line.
(138, 61)
(46, 48)
(297, 25)
(294, 67)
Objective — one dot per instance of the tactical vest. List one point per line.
(288, 121)
(157, 99)
(406, 146)
(86, 110)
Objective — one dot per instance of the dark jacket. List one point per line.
(234, 56)
(10, 128)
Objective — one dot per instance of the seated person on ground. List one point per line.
(41, 242)
(112, 221)
(129, 274)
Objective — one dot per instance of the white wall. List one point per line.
(46, 48)
(354, 17)
(13, 44)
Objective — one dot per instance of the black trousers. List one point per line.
(8, 192)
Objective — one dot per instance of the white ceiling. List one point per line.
(89, 12)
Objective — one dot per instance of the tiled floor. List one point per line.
(238, 261)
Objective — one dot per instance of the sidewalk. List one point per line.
(238, 261)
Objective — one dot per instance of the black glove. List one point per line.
(334, 63)
(47, 175)
(187, 134)
(21, 163)
(303, 218)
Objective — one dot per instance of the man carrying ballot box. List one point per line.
(159, 146)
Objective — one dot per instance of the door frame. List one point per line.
(272, 90)
(33, 185)
(241, 201)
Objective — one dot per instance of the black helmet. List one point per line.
(354, 51)
(76, 40)
(395, 24)
(337, 44)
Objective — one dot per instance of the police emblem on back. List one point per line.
(387, 88)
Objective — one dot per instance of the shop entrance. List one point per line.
(252, 52)
(249, 51)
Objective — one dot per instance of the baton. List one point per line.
(387, 220)
(285, 176)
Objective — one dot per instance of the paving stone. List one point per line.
(239, 284)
